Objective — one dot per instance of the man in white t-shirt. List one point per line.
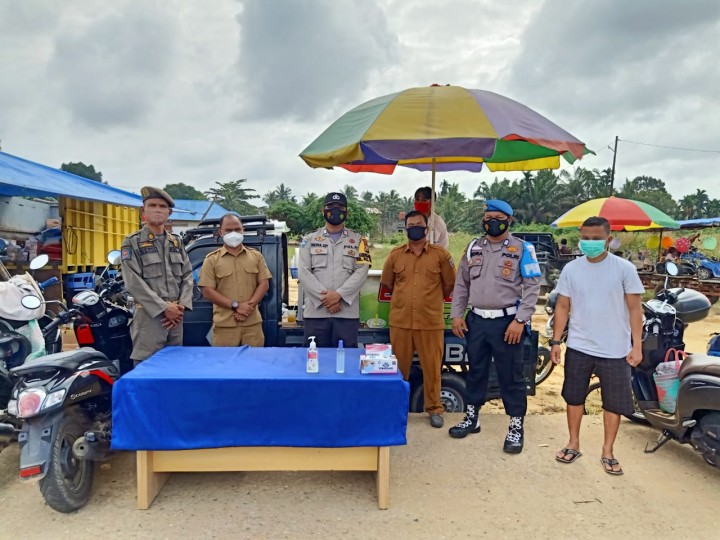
(601, 295)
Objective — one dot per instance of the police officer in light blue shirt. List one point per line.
(498, 278)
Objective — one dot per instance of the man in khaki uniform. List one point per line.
(157, 274)
(333, 265)
(420, 276)
(235, 279)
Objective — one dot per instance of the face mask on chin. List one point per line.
(416, 233)
(592, 248)
(496, 227)
(335, 216)
(233, 239)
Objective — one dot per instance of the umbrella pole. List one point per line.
(432, 195)
(657, 254)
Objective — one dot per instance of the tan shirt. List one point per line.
(438, 231)
(489, 277)
(236, 277)
(417, 283)
(156, 270)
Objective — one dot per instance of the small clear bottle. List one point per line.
(340, 358)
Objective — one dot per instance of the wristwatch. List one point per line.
(520, 321)
(234, 305)
(555, 342)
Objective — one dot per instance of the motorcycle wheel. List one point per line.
(452, 392)
(544, 365)
(68, 482)
(710, 439)
(703, 273)
(593, 405)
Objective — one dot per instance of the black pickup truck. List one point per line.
(260, 235)
(548, 255)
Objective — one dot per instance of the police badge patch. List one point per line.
(125, 254)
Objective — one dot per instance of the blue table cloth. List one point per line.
(185, 398)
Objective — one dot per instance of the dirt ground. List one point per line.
(440, 488)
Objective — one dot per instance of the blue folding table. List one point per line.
(256, 409)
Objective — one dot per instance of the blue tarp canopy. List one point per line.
(22, 178)
(699, 223)
(193, 210)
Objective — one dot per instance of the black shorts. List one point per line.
(614, 375)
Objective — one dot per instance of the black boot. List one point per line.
(470, 424)
(515, 436)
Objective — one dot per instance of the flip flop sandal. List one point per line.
(568, 452)
(611, 462)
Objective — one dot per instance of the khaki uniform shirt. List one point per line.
(156, 270)
(489, 277)
(438, 231)
(417, 284)
(340, 266)
(236, 277)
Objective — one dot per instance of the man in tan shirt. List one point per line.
(235, 279)
(420, 275)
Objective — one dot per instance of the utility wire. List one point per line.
(672, 147)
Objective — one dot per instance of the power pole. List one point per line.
(612, 174)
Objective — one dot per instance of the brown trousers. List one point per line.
(429, 346)
(252, 336)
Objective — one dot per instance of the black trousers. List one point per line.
(328, 331)
(485, 342)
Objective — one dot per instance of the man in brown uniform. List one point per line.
(499, 277)
(235, 279)
(157, 274)
(420, 275)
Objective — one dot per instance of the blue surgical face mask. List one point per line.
(592, 248)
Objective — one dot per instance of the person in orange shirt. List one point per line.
(420, 275)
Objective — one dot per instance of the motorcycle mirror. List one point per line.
(38, 262)
(31, 302)
(671, 268)
(113, 257)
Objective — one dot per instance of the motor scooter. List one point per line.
(696, 420)
(65, 399)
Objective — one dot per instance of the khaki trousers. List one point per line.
(252, 336)
(429, 346)
(149, 336)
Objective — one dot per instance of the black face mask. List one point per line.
(335, 216)
(416, 233)
(496, 227)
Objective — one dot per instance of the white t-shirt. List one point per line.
(599, 319)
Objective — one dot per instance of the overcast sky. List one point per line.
(154, 92)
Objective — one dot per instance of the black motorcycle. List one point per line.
(65, 399)
(545, 365)
(696, 419)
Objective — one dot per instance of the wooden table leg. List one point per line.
(383, 477)
(149, 482)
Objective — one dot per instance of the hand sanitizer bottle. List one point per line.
(312, 357)
(340, 358)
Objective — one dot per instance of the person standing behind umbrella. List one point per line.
(157, 273)
(332, 267)
(438, 230)
(499, 277)
(420, 275)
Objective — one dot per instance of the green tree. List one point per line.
(367, 197)
(234, 197)
(280, 193)
(451, 206)
(350, 192)
(358, 219)
(180, 190)
(389, 204)
(292, 213)
(651, 191)
(696, 205)
(80, 169)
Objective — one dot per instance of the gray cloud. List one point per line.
(299, 59)
(113, 70)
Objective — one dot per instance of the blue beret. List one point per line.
(496, 205)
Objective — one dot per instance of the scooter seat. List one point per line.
(70, 360)
(700, 363)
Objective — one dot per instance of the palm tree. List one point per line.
(390, 205)
(280, 193)
(367, 197)
(350, 192)
(232, 196)
(695, 205)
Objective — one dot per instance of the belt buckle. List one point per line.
(488, 314)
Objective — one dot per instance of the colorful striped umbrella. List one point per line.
(623, 214)
(443, 128)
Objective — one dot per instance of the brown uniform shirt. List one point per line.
(156, 270)
(417, 284)
(236, 277)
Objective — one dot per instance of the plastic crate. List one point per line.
(80, 282)
(112, 274)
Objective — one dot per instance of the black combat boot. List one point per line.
(515, 435)
(470, 424)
